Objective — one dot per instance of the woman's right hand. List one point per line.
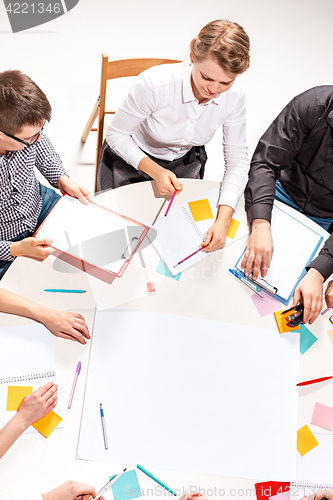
(38, 404)
(167, 182)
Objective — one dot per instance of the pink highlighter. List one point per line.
(78, 369)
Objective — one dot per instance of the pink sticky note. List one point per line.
(322, 416)
(266, 305)
(281, 496)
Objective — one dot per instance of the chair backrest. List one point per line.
(120, 69)
(131, 67)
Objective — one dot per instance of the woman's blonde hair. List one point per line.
(226, 43)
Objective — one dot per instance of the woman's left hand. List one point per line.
(215, 238)
(217, 234)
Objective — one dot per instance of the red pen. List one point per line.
(314, 381)
(192, 254)
(173, 197)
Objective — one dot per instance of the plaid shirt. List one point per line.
(20, 201)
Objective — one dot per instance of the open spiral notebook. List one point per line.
(26, 360)
(299, 490)
(182, 231)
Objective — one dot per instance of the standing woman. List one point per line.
(172, 110)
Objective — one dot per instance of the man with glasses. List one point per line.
(24, 202)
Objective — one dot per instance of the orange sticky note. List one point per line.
(15, 396)
(47, 424)
(232, 229)
(200, 210)
(281, 321)
(330, 334)
(305, 440)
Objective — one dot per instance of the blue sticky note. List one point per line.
(163, 270)
(127, 486)
(307, 339)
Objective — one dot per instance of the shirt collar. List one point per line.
(188, 95)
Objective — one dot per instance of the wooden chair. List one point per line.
(110, 70)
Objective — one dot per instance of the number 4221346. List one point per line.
(34, 8)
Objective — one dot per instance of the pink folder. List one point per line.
(92, 238)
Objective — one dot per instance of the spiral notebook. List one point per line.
(26, 360)
(299, 490)
(182, 231)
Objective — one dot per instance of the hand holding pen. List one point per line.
(166, 181)
(71, 490)
(108, 485)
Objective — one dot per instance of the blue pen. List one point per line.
(155, 479)
(103, 427)
(63, 290)
(246, 282)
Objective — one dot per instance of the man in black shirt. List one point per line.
(294, 162)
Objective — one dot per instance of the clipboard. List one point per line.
(295, 245)
(92, 238)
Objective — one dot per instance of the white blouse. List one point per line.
(161, 116)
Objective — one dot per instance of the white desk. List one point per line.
(206, 291)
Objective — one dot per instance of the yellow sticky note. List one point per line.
(47, 424)
(232, 229)
(330, 334)
(305, 440)
(15, 396)
(201, 210)
(281, 321)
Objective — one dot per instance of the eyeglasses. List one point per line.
(29, 143)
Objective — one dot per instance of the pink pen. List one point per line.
(173, 197)
(326, 310)
(192, 254)
(78, 369)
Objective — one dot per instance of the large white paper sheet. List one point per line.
(191, 395)
(294, 247)
(316, 465)
(26, 359)
(178, 236)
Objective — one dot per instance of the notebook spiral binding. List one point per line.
(193, 224)
(23, 378)
(310, 485)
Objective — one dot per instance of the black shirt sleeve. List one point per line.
(276, 150)
(324, 262)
